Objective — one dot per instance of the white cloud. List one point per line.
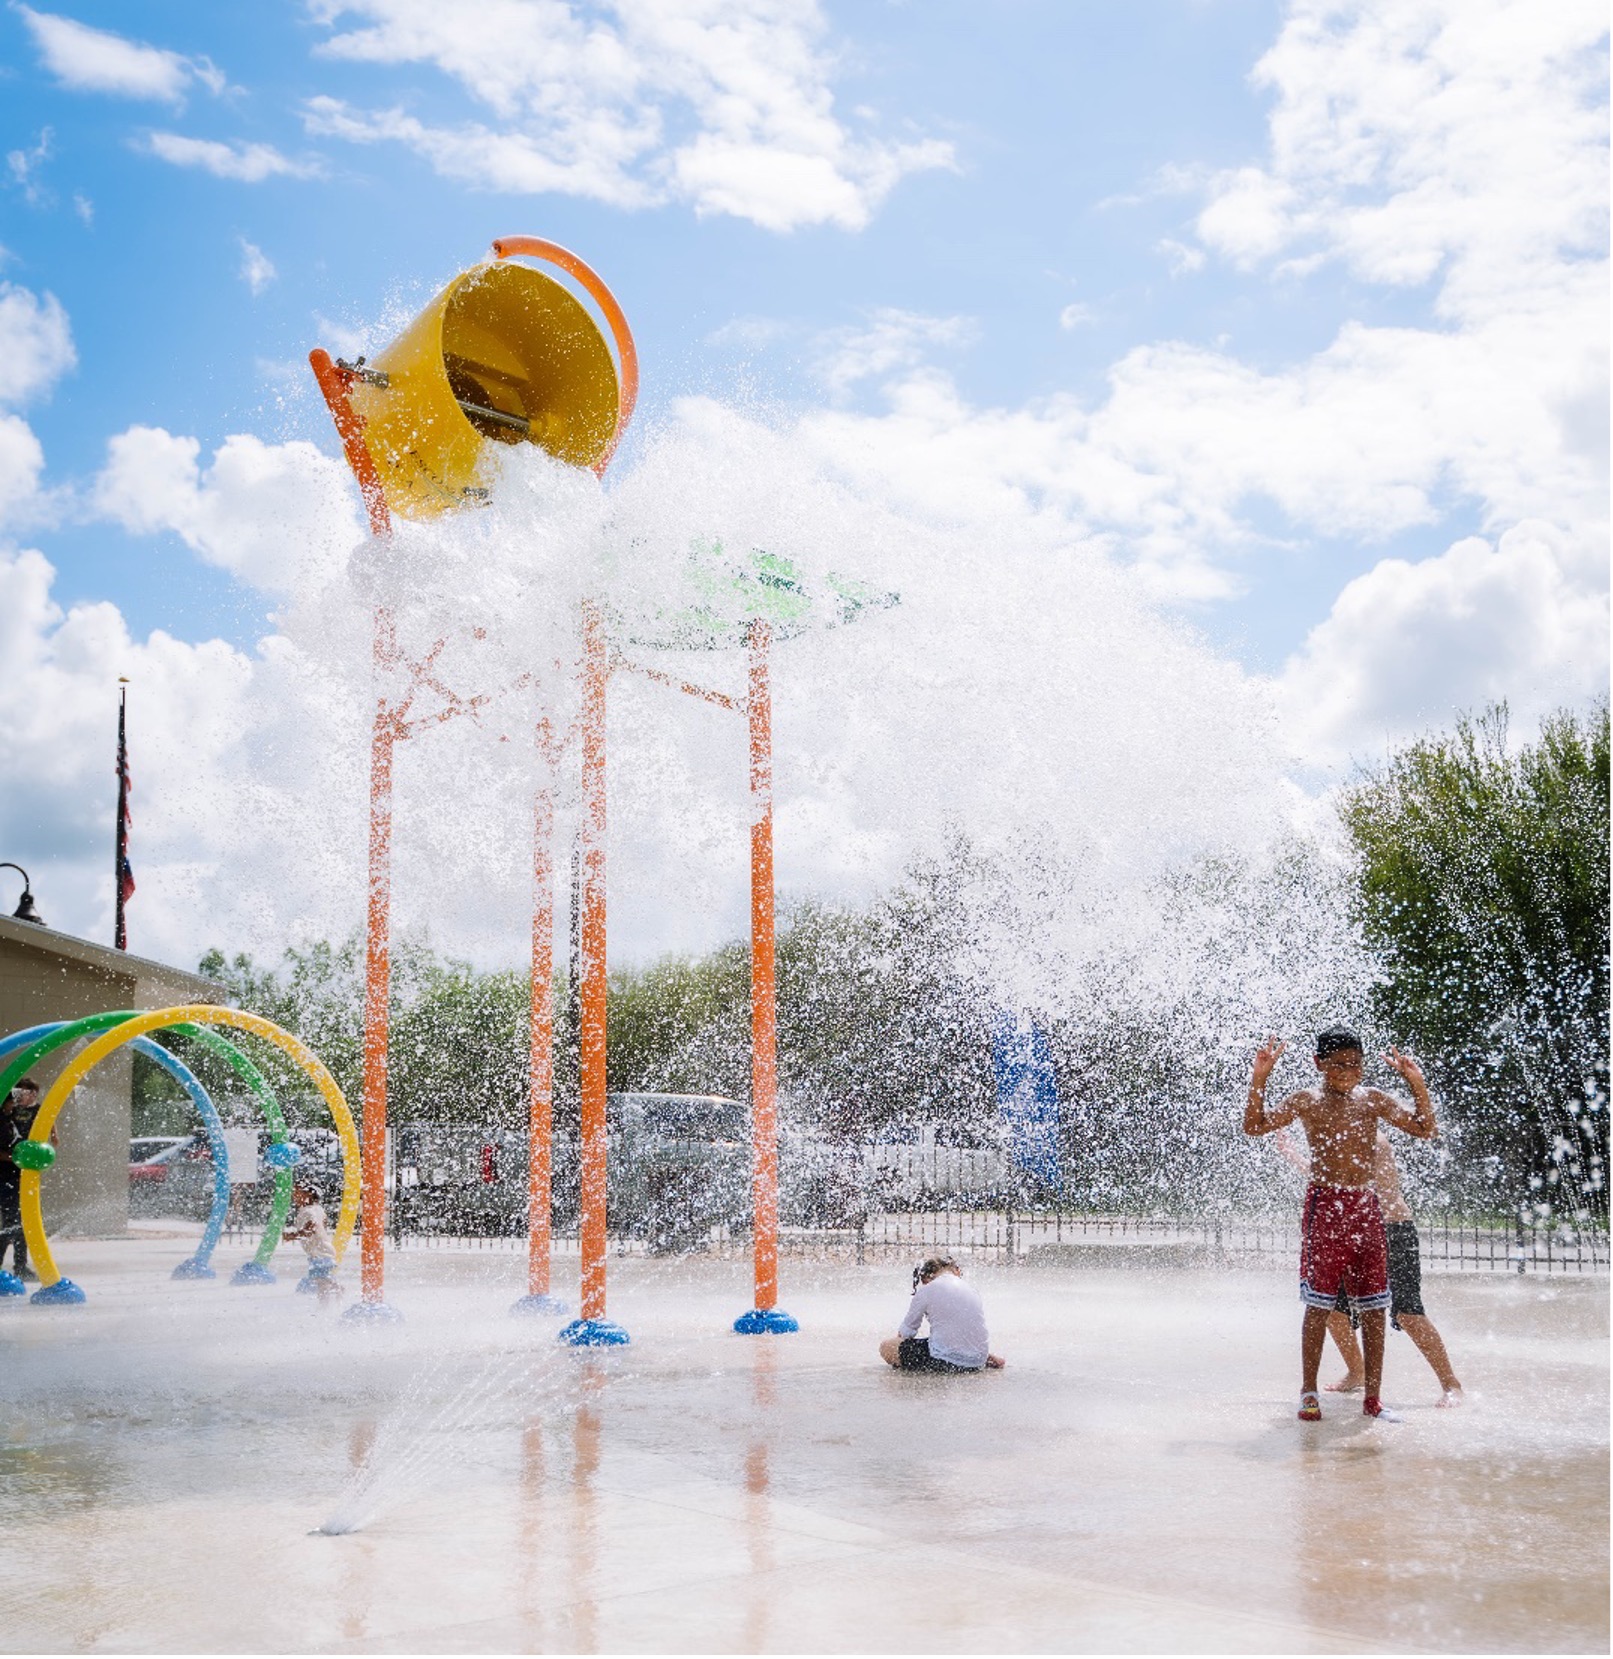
(1457, 140)
(246, 163)
(25, 166)
(1076, 315)
(22, 464)
(1524, 619)
(275, 515)
(84, 207)
(36, 343)
(95, 60)
(892, 340)
(729, 110)
(1183, 259)
(257, 269)
(204, 719)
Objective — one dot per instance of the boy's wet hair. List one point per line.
(932, 1265)
(1337, 1039)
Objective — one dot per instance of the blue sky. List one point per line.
(1267, 300)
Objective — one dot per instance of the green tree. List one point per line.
(1484, 892)
(457, 1049)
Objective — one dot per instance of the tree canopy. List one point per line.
(1483, 889)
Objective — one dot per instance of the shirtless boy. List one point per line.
(1343, 1244)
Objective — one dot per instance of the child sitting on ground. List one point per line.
(309, 1227)
(957, 1339)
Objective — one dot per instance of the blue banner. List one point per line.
(1027, 1094)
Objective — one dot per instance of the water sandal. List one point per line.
(1310, 1408)
(1372, 1406)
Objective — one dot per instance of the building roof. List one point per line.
(119, 964)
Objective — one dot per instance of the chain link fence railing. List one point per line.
(458, 1187)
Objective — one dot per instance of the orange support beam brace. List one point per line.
(766, 1318)
(335, 384)
(593, 1329)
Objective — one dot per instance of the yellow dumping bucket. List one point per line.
(503, 355)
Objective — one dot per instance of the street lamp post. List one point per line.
(25, 911)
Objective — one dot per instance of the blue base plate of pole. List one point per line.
(592, 1333)
(363, 1313)
(193, 1269)
(538, 1306)
(11, 1285)
(252, 1273)
(766, 1322)
(64, 1293)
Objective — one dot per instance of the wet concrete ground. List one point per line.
(1135, 1481)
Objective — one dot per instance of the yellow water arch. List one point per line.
(33, 1220)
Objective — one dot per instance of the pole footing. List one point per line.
(539, 1305)
(63, 1293)
(766, 1322)
(11, 1285)
(363, 1313)
(592, 1333)
(195, 1268)
(252, 1273)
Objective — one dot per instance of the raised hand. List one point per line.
(1408, 1068)
(1266, 1058)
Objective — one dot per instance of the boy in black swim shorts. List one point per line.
(1406, 1311)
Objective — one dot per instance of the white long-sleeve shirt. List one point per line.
(957, 1321)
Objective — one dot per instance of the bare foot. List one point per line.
(1346, 1385)
(995, 1362)
(1451, 1397)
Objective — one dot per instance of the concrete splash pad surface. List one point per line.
(1134, 1482)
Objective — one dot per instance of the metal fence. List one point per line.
(459, 1187)
(1450, 1243)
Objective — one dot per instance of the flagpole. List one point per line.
(120, 860)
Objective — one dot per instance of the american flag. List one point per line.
(124, 873)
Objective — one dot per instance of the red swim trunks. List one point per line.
(1343, 1246)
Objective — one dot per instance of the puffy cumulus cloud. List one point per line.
(58, 701)
(36, 343)
(36, 349)
(729, 109)
(22, 464)
(1457, 139)
(86, 59)
(274, 515)
(244, 163)
(1524, 618)
(1441, 141)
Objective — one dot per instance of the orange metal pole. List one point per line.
(596, 671)
(377, 992)
(334, 384)
(764, 1013)
(540, 1088)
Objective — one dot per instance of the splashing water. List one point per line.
(1111, 798)
(443, 1407)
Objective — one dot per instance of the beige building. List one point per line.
(44, 976)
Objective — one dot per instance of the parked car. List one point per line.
(173, 1179)
(143, 1148)
(678, 1166)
